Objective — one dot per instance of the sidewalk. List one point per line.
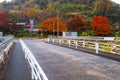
(16, 69)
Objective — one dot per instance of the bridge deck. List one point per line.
(16, 68)
(61, 63)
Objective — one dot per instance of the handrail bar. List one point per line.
(107, 44)
(36, 71)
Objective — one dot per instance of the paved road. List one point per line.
(61, 63)
(16, 68)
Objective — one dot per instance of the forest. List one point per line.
(87, 17)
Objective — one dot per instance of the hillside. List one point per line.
(86, 8)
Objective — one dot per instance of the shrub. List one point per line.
(88, 33)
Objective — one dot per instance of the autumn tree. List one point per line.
(51, 24)
(53, 8)
(101, 7)
(4, 18)
(77, 24)
(100, 25)
(31, 10)
(31, 13)
(14, 18)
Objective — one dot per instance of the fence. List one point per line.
(36, 71)
(5, 48)
(105, 44)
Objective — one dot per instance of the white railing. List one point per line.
(36, 71)
(5, 47)
(105, 44)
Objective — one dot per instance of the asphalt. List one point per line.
(108, 55)
(16, 68)
(60, 63)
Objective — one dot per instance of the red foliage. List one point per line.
(51, 24)
(100, 25)
(3, 19)
(76, 24)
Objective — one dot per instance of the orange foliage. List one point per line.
(100, 25)
(51, 24)
(31, 12)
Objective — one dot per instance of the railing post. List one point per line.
(83, 44)
(115, 48)
(48, 39)
(25, 54)
(32, 72)
(97, 47)
(69, 42)
(53, 41)
(60, 41)
(76, 43)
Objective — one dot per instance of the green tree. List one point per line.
(101, 7)
(14, 18)
(88, 33)
(114, 13)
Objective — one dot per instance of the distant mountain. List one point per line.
(45, 2)
(87, 8)
(1, 7)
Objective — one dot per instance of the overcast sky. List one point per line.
(4, 0)
(117, 1)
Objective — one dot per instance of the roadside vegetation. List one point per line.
(87, 17)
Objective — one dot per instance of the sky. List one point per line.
(117, 1)
(6, 0)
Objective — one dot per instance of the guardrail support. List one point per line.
(60, 41)
(97, 47)
(69, 42)
(53, 40)
(115, 49)
(83, 44)
(48, 40)
(76, 43)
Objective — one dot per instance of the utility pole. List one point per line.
(5, 5)
(53, 28)
(58, 26)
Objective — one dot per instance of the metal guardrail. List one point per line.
(105, 44)
(84, 37)
(5, 47)
(36, 71)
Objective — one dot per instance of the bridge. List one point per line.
(60, 59)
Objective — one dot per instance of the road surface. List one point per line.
(61, 63)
